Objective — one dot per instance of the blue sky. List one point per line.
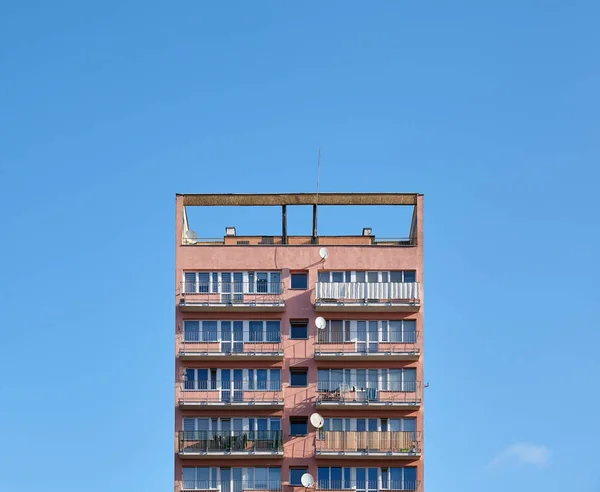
(107, 109)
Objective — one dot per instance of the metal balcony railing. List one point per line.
(359, 342)
(231, 392)
(230, 486)
(194, 442)
(238, 342)
(368, 442)
(406, 392)
(367, 291)
(257, 292)
(380, 485)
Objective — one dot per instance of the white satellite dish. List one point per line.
(324, 253)
(320, 323)
(307, 480)
(191, 236)
(317, 420)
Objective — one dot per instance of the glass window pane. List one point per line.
(299, 281)
(274, 478)
(204, 279)
(336, 331)
(262, 282)
(384, 277)
(337, 276)
(299, 330)
(336, 477)
(395, 331)
(396, 276)
(410, 477)
(360, 277)
(190, 282)
(261, 379)
(323, 277)
(189, 478)
(296, 475)
(410, 276)
(275, 286)
(260, 478)
(273, 331)
(323, 477)
(299, 377)
(209, 331)
(203, 476)
(409, 331)
(275, 384)
(409, 425)
(372, 277)
(396, 479)
(256, 331)
(323, 380)
(191, 331)
(298, 426)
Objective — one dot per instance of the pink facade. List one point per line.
(223, 397)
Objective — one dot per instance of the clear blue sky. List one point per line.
(107, 109)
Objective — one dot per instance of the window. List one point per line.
(368, 276)
(199, 478)
(296, 475)
(300, 280)
(334, 478)
(299, 377)
(231, 282)
(399, 478)
(299, 330)
(298, 426)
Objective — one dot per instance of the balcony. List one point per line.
(368, 486)
(231, 297)
(365, 296)
(228, 394)
(402, 395)
(233, 444)
(191, 347)
(358, 346)
(230, 486)
(359, 444)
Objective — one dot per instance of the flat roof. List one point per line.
(278, 199)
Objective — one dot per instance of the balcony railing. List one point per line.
(242, 343)
(230, 486)
(231, 294)
(380, 485)
(366, 293)
(364, 442)
(231, 392)
(359, 343)
(406, 393)
(226, 442)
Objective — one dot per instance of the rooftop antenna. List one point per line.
(314, 231)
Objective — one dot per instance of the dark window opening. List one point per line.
(298, 426)
(300, 281)
(296, 475)
(299, 377)
(299, 330)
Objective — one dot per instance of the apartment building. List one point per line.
(299, 358)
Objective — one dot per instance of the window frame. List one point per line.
(292, 275)
(297, 323)
(303, 469)
(299, 420)
(298, 370)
